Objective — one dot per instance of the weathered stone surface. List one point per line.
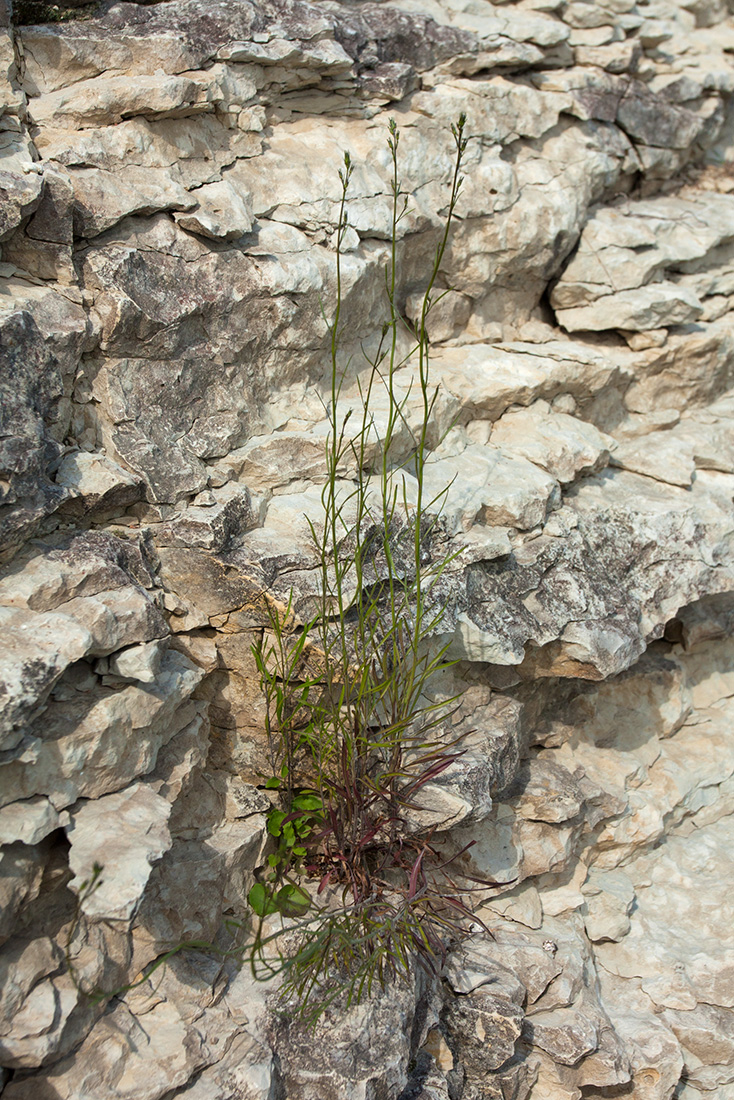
(649, 307)
(21, 875)
(129, 830)
(486, 1023)
(29, 822)
(222, 213)
(564, 446)
(363, 1048)
(168, 282)
(96, 484)
(119, 733)
(215, 521)
(37, 364)
(486, 486)
(20, 196)
(38, 649)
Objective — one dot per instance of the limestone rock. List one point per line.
(564, 446)
(96, 484)
(30, 821)
(118, 731)
(38, 648)
(165, 1053)
(471, 966)
(108, 100)
(20, 196)
(662, 455)
(609, 898)
(35, 376)
(215, 524)
(222, 213)
(103, 198)
(168, 288)
(486, 486)
(21, 875)
(567, 1037)
(140, 662)
(487, 1023)
(125, 833)
(368, 1043)
(649, 307)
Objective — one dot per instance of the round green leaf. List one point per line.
(260, 901)
(291, 901)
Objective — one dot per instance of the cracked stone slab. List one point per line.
(649, 307)
(125, 833)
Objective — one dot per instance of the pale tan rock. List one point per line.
(470, 967)
(41, 581)
(222, 213)
(649, 307)
(272, 462)
(616, 57)
(549, 1083)
(547, 792)
(491, 379)
(110, 99)
(367, 1042)
(629, 246)
(115, 618)
(437, 807)
(532, 967)
(28, 821)
(486, 486)
(439, 1050)
(545, 847)
(498, 108)
(21, 876)
(197, 363)
(103, 198)
(562, 445)
(609, 900)
(522, 905)
(562, 893)
(700, 359)
(709, 672)
(120, 1055)
(446, 318)
(53, 641)
(34, 1006)
(654, 1051)
(495, 854)
(662, 455)
(140, 662)
(709, 443)
(216, 524)
(566, 1036)
(487, 1023)
(97, 483)
(192, 150)
(118, 732)
(125, 833)
(653, 338)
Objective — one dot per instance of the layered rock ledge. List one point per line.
(168, 206)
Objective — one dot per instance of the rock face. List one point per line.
(168, 205)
